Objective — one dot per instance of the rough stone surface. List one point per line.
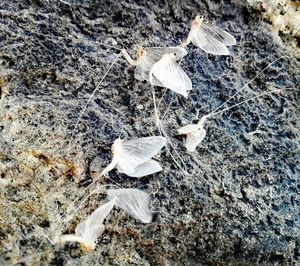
(238, 203)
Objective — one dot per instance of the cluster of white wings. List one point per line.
(161, 67)
(134, 157)
(133, 201)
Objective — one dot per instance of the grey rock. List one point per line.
(239, 202)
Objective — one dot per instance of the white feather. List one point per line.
(133, 201)
(171, 75)
(194, 139)
(130, 154)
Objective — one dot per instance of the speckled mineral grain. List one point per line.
(238, 201)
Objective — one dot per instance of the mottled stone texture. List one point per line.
(238, 202)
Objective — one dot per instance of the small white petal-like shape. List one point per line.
(194, 139)
(95, 218)
(88, 231)
(210, 38)
(133, 201)
(147, 57)
(129, 154)
(195, 133)
(188, 129)
(170, 75)
(148, 168)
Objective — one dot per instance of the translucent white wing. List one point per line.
(219, 34)
(98, 215)
(158, 52)
(204, 39)
(92, 235)
(138, 151)
(194, 139)
(188, 129)
(154, 54)
(142, 71)
(148, 168)
(80, 229)
(133, 201)
(94, 220)
(171, 75)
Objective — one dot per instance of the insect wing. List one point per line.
(92, 234)
(133, 201)
(142, 71)
(188, 129)
(171, 75)
(194, 139)
(98, 216)
(148, 168)
(204, 38)
(219, 34)
(153, 55)
(138, 151)
(95, 219)
(158, 52)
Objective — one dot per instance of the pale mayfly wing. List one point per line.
(170, 75)
(133, 201)
(133, 157)
(147, 57)
(195, 133)
(88, 231)
(209, 38)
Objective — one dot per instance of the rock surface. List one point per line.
(238, 201)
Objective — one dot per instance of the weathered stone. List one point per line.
(238, 203)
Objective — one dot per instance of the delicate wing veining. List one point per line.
(148, 168)
(209, 38)
(219, 34)
(158, 52)
(98, 215)
(150, 57)
(203, 39)
(136, 152)
(171, 75)
(88, 231)
(133, 201)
